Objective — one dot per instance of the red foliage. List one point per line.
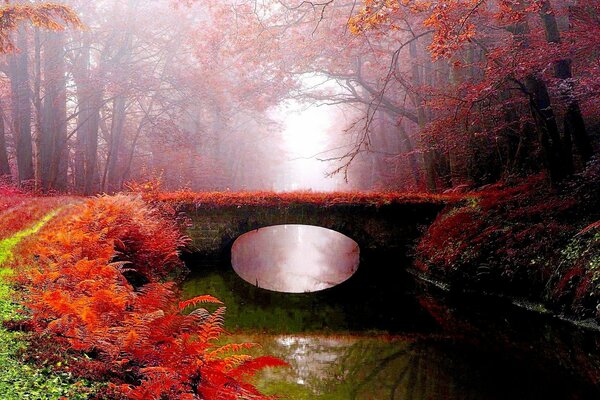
(489, 52)
(220, 199)
(8, 192)
(504, 232)
(441, 245)
(19, 210)
(93, 283)
(527, 240)
(10, 196)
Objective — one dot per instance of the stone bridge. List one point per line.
(395, 226)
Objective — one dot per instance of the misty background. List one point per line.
(285, 95)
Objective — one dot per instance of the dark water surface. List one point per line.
(379, 335)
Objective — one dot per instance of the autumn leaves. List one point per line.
(95, 284)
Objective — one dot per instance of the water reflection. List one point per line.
(403, 368)
(378, 336)
(294, 258)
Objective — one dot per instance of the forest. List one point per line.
(428, 96)
(464, 135)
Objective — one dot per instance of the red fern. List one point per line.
(80, 290)
(199, 299)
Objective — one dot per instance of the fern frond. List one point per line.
(235, 361)
(213, 326)
(230, 348)
(194, 319)
(199, 299)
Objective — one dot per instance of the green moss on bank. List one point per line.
(18, 380)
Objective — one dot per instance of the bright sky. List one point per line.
(305, 134)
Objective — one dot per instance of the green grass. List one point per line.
(8, 244)
(17, 379)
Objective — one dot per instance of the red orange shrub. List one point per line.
(94, 285)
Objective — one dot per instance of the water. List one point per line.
(379, 335)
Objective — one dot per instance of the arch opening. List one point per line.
(295, 258)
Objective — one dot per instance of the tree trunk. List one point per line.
(456, 163)
(557, 160)
(558, 163)
(37, 102)
(79, 156)
(4, 166)
(21, 96)
(116, 137)
(428, 155)
(89, 98)
(574, 125)
(112, 173)
(410, 151)
(54, 149)
(91, 147)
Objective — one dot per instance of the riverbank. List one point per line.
(90, 306)
(537, 245)
(22, 217)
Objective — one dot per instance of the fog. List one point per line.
(216, 95)
(295, 258)
(306, 141)
(279, 95)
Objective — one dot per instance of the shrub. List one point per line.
(94, 284)
(517, 239)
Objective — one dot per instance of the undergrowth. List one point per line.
(19, 380)
(526, 240)
(99, 307)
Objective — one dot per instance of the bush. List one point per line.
(94, 283)
(521, 240)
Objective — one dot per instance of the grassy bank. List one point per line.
(20, 380)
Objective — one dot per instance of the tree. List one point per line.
(517, 42)
(13, 17)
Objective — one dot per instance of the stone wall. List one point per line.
(214, 229)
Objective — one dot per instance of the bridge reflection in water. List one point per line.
(294, 258)
(353, 367)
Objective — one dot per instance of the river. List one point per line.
(382, 335)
